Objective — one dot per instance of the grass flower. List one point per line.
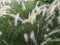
(26, 37)
(0, 33)
(32, 36)
(43, 19)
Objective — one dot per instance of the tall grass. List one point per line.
(29, 23)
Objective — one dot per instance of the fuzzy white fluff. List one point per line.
(26, 37)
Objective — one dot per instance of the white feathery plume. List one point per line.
(4, 41)
(32, 37)
(2, 13)
(23, 5)
(49, 40)
(47, 29)
(16, 17)
(45, 35)
(49, 22)
(59, 5)
(53, 3)
(3, 10)
(25, 21)
(18, 1)
(0, 33)
(43, 43)
(32, 16)
(37, 4)
(26, 37)
(35, 11)
(5, 7)
(52, 32)
(42, 8)
(55, 40)
(44, 11)
(51, 8)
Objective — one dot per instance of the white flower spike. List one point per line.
(26, 37)
(0, 33)
(32, 37)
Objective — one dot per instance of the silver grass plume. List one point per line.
(32, 19)
(26, 37)
(32, 37)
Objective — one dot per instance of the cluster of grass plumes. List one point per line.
(30, 23)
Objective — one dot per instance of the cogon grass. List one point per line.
(42, 10)
(32, 16)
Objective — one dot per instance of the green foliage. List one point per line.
(13, 35)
